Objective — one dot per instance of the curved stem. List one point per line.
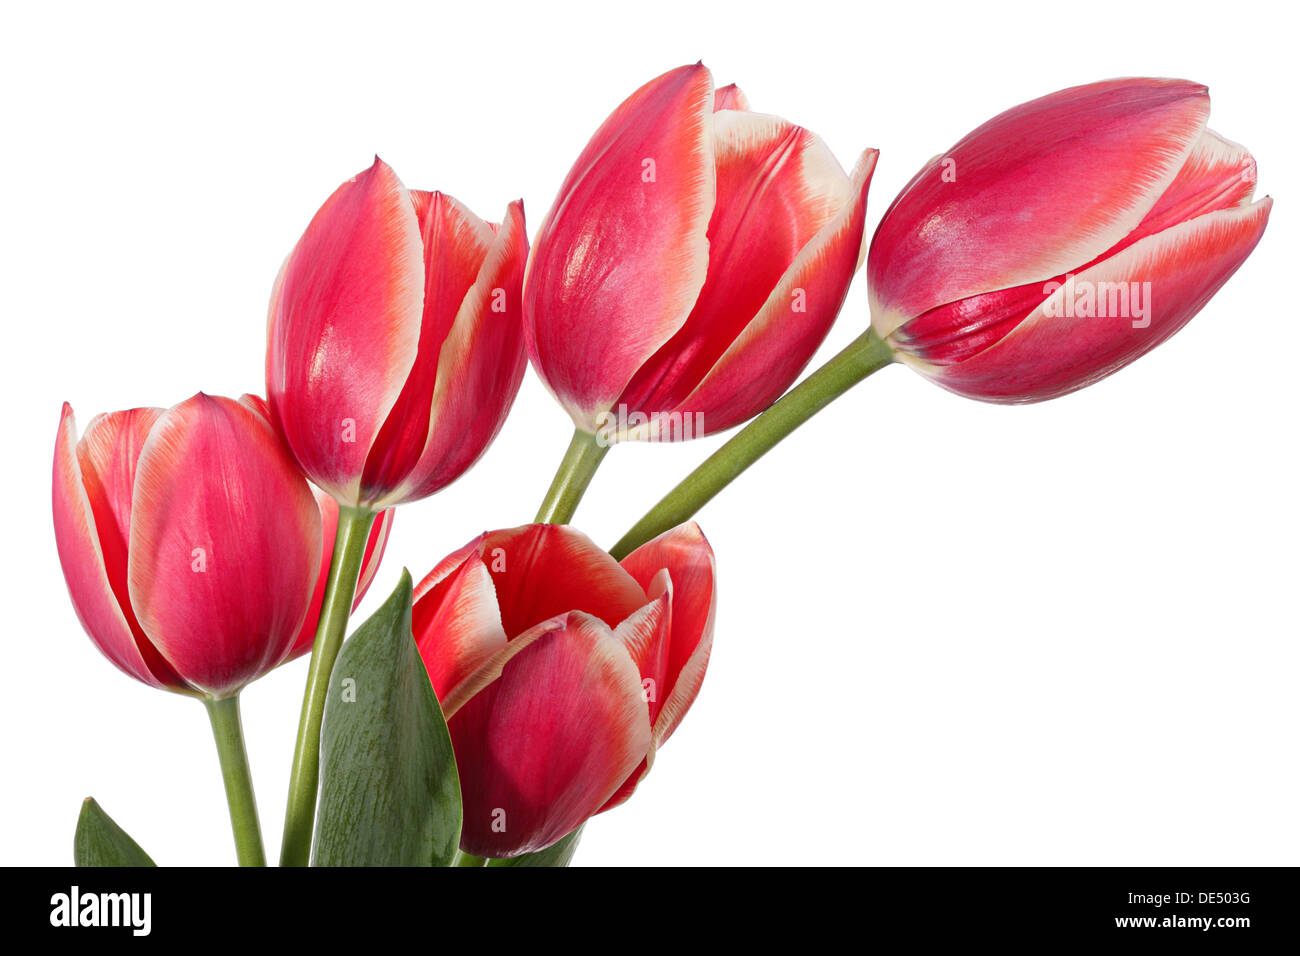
(581, 460)
(468, 859)
(229, 735)
(336, 606)
(863, 356)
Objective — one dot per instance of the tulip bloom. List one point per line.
(1063, 239)
(693, 261)
(394, 348)
(561, 671)
(191, 543)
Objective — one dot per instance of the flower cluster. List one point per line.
(692, 263)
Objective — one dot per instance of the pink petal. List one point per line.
(344, 327)
(688, 558)
(464, 683)
(1217, 175)
(225, 544)
(479, 368)
(619, 261)
(256, 403)
(458, 629)
(778, 185)
(107, 456)
(456, 243)
(766, 358)
(543, 570)
(647, 635)
(1036, 191)
(91, 533)
(542, 747)
(1046, 356)
(371, 558)
(729, 98)
(443, 570)
(958, 330)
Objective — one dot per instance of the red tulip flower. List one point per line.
(1063, 239)
(561, 671)
(394, 348)
(693, 261)
(191, 543)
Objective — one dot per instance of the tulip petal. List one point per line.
(777, 185)
(647, 635)
(458, 629)
(479, 368)
(729, 98)
(443, 570)
(455, 243)
(954, 332)
(87, 532)
(542, 747)
(256, 403)
(544, 570)
(1219, 174)
(373, 555)
(688, 558)
(107, 455)
(1036, 191)
(468, 683)
(771, 351)
(1046, 355)
(225, 544)
(623, 253)
(344, 327)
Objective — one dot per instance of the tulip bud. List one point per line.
(561, 671)
(189, 541)
(693, 261)
(394, 348)
(1063, 239)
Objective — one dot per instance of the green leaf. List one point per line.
(389, 791)
(101, 842)
(557, 854)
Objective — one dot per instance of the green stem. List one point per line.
(340, 588)
(229, 735)
(863, 356)
(581, 460)
(468, 859)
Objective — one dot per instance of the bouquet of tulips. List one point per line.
(690, 266)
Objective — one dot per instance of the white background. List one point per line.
(949, 633)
